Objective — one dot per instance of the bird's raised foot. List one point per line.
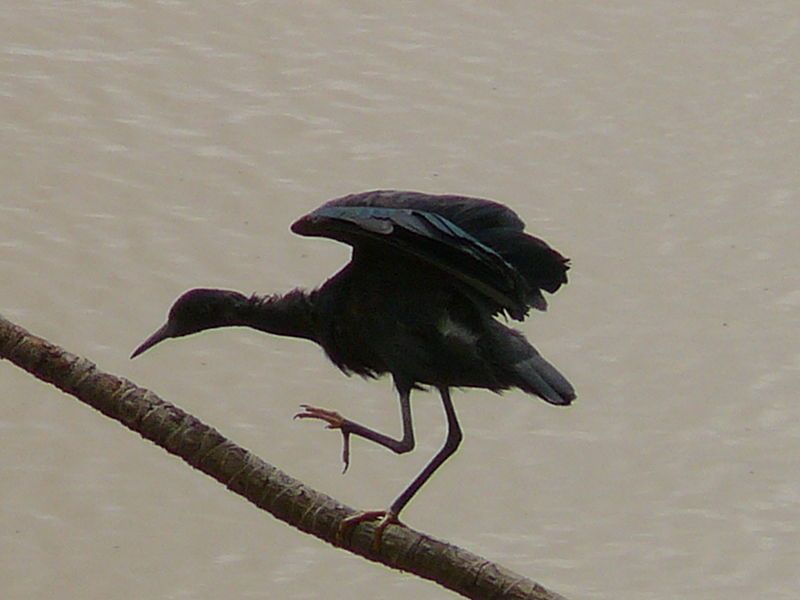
(387, 517)
(333, 420)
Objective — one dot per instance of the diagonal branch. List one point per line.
(264, 485)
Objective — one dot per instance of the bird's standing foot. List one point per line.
(387, 517)
(334, 421)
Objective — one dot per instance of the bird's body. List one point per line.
(370, 324)
(418, 301)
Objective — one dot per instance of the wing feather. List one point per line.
(479, 242)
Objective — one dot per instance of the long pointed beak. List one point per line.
(164, 332)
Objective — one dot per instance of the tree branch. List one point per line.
(264, 485)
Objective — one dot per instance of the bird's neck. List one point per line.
(290, 314)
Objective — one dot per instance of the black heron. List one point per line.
(418, 300)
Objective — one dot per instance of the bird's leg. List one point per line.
(390, 516)
(336, 421)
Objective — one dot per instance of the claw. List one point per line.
(333, 420)
(345, 451)
(387, 517)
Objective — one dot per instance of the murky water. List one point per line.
(153, 147)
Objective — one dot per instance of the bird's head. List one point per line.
(194, 311)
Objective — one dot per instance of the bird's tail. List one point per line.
(537, 376)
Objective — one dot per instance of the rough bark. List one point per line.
(264, 485)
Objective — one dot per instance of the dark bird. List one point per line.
(418, 300)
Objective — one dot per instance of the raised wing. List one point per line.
(477, 242)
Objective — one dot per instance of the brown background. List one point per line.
(152, 147)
